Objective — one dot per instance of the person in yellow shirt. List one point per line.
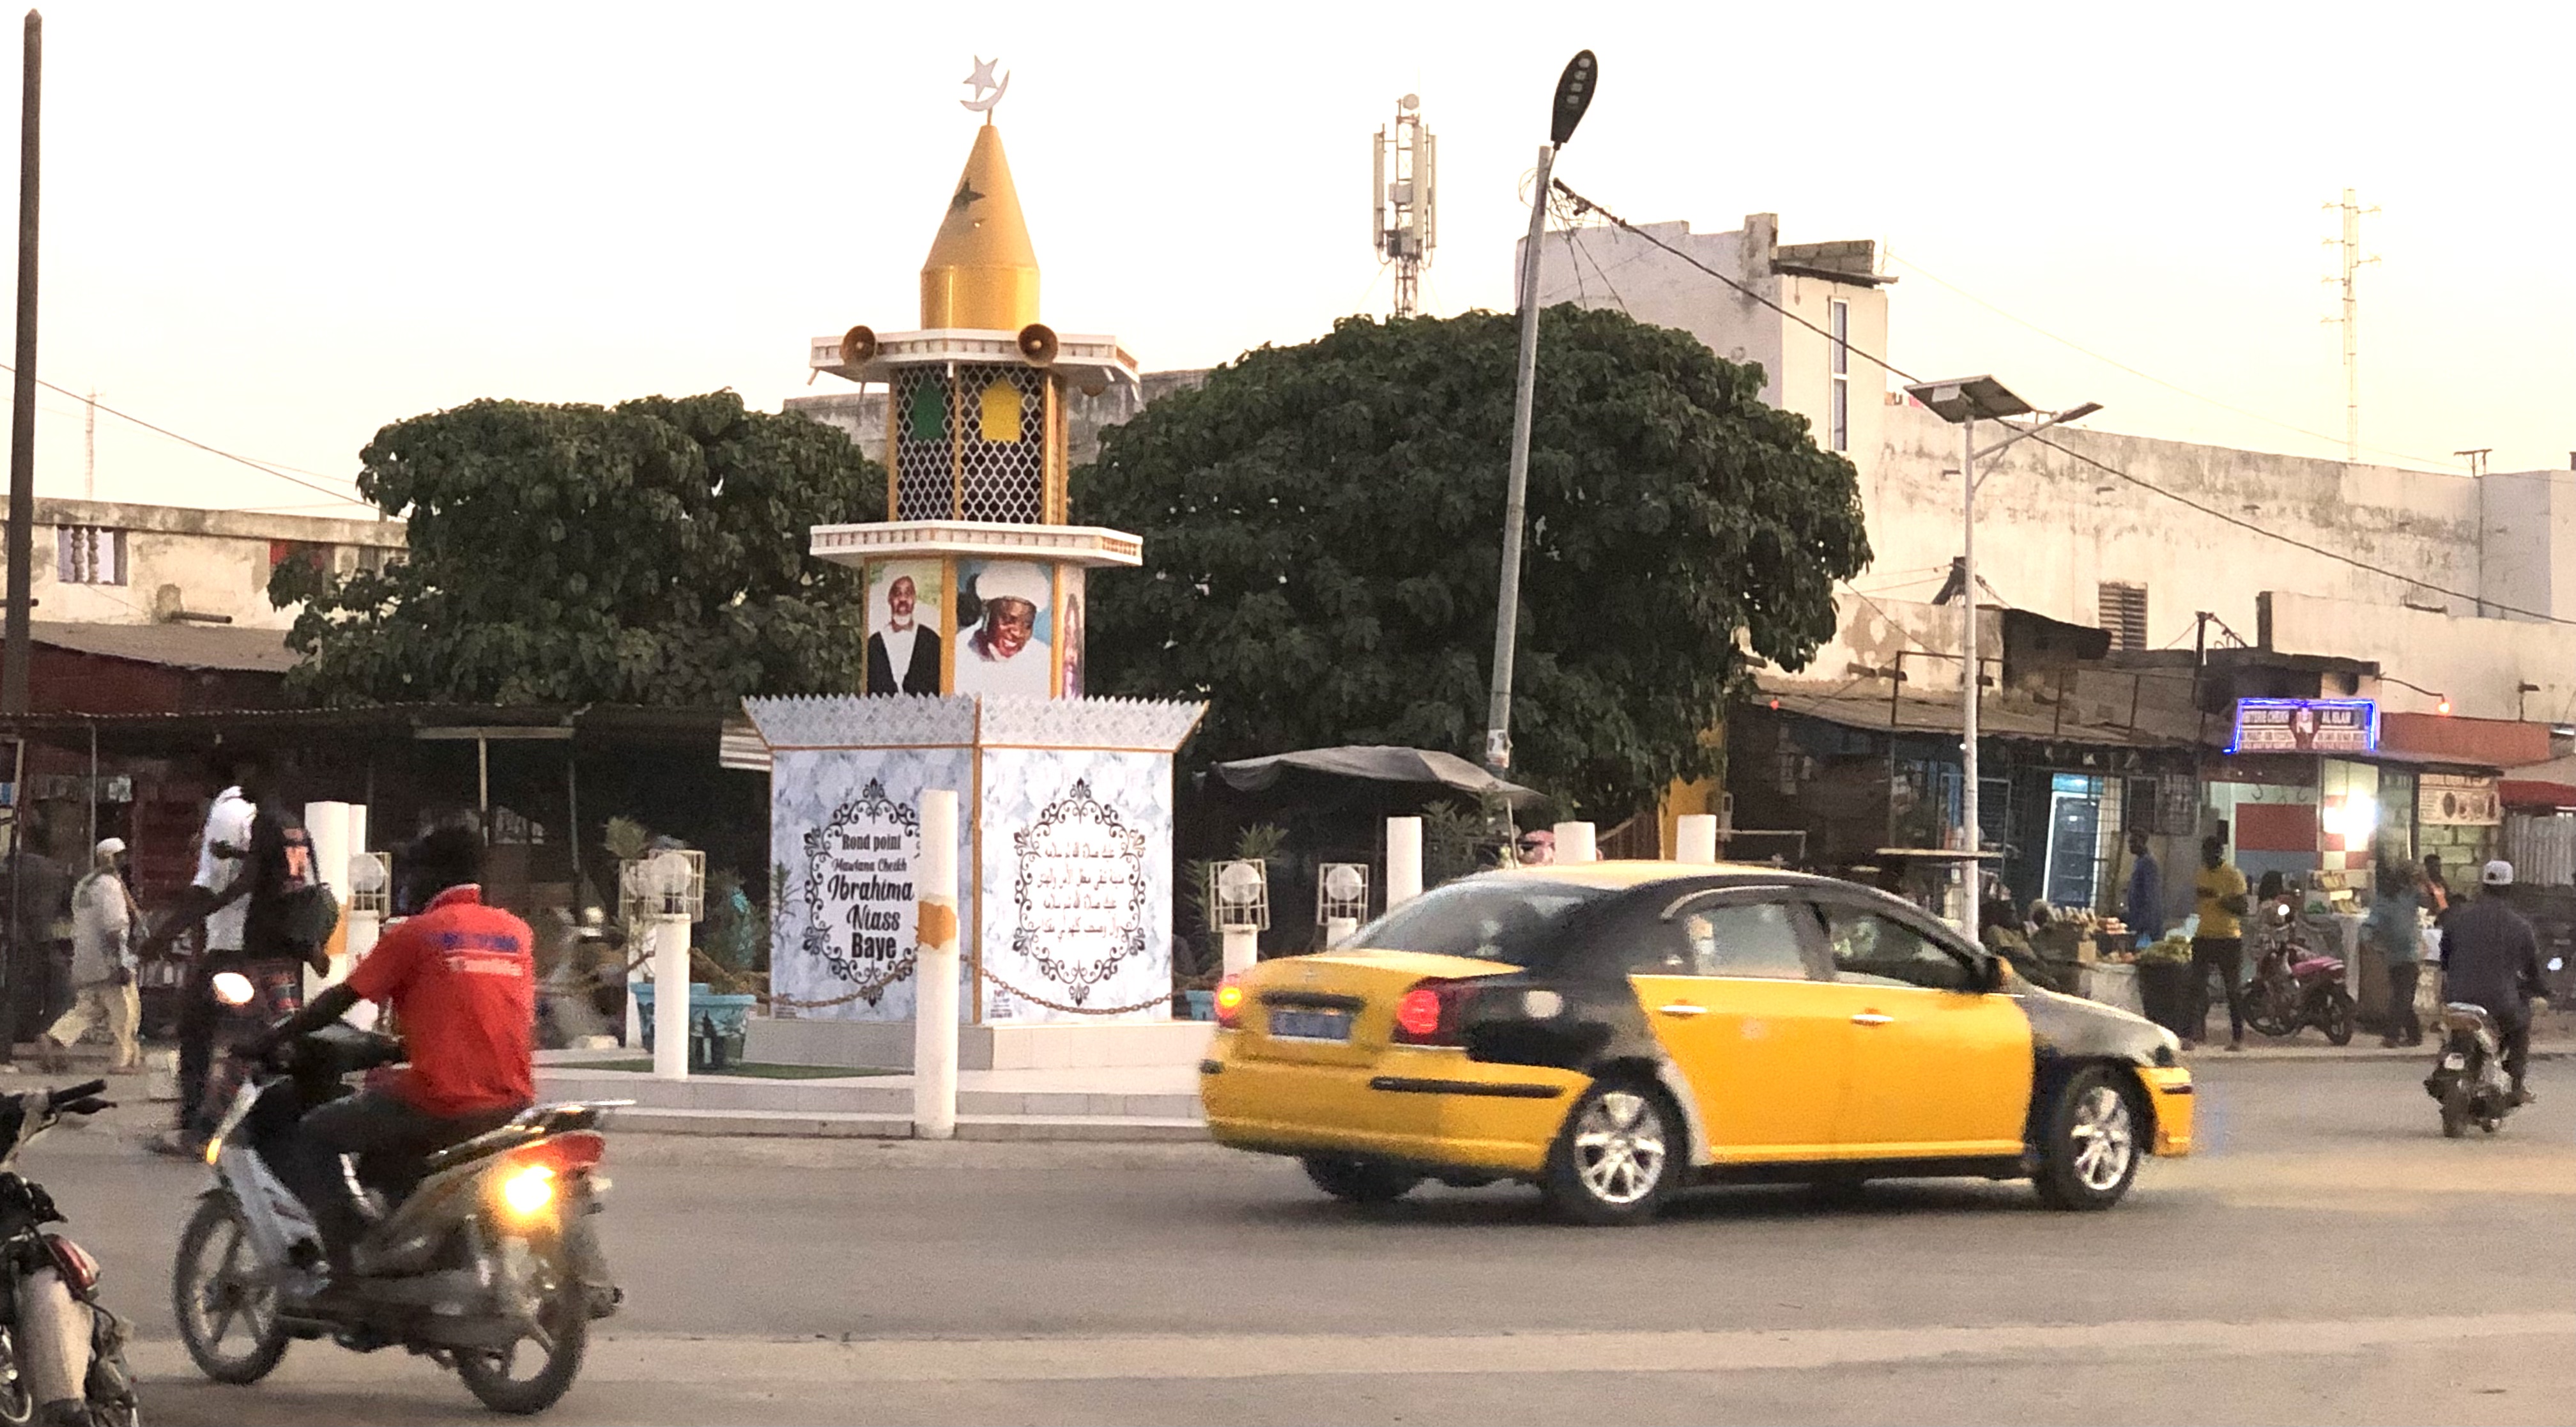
(2219, 944)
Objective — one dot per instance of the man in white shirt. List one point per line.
(903, 657)
(103, 991)
(218, 896)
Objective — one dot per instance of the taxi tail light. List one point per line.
(1432, 1013)
(1229, 1002)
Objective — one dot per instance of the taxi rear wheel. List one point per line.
(2090, 1145)
(1614, 1160)
(1356, 1179)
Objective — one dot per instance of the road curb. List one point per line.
(2275, 1055)
(819, 1125)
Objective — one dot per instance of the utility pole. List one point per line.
(1573, 96)
(22, 416)
(2353, 262)
(14, 650)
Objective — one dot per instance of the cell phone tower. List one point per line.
(1403, 206)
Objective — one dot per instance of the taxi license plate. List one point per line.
(1307, 1023)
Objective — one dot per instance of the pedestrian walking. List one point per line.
(103, 966)
(2143, 909)
(2219, 945)
(2394, 932)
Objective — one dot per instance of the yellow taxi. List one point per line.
(1615, 1031)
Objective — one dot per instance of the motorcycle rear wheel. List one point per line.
(2336, 1017)
(563, 1310)
(2268, 1009)
(2455, 1112)
(211, 1300)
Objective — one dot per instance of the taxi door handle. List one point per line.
(1871, 1018)
(1684, 1009)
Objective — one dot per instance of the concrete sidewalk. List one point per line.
(1069, 1103)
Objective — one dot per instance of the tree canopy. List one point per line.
(1322, 529)
(652, 552)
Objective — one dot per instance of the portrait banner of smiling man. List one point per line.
(904, 627)
(1005, 619)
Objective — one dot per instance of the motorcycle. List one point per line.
(2295, 987)
(485, 1260)
(2468, 1076)
(62, 1353)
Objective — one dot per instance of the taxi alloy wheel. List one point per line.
(1613, 1162)
(2091, 1152)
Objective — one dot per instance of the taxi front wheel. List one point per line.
(2089, 1145)
(1356, 1179)
(1614, 1160)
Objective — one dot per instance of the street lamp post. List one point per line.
(1573, 96)
(1963, 401)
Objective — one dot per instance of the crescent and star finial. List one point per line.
(988, 90)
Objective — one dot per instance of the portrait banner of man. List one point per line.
(903, 627)
(1005, 617)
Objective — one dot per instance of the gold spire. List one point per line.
(981, 272)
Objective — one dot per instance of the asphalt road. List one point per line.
(2328, 1258)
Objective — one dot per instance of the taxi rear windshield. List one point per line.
(1509, 920)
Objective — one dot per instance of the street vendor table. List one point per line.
(2113, 984)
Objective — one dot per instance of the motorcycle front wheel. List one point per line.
(223, 1299)
(533, 1373)
(2268, 1008)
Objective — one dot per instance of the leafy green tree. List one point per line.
(652, 552)
(1322, 542)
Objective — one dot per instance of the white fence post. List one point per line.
(1403, 861)
(934, 981)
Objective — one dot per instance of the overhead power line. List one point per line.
(263, 469)
(1586, 205)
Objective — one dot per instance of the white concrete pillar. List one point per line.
(671, 996)
(1242, 949)
(1403, 861)
(364, 927)
(1574, 843)
(1696, 839)
(1338, 929)
(934, 979)
(327, 824)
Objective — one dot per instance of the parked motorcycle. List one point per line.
(62, 1353)
(2294, 988)
(2468, 1076)
(486, 1265)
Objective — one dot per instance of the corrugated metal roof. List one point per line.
(740, 746)
(177, 646)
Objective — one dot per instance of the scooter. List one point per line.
(488, 1265)
(62, 1353)
(2295, 987)
(2468, 1077)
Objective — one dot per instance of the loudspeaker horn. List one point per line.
(858, 345)
(1038, 344)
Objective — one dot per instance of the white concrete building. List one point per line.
(102, 562)
(2465, 575)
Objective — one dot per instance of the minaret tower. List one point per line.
(975, 580)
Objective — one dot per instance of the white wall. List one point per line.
(1608, 268)
(203, 561)
(2477, 662)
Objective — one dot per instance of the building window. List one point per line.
(1838, 315)
(89, 555)
(281, 551)
(2124, 613)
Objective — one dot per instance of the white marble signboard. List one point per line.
(845, 840)
(1076, 885)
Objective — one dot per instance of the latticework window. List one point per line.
(970, 443)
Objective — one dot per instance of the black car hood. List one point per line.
(2063, 1025)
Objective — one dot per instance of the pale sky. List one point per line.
(276, 228)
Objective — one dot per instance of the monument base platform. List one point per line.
(887, 1045)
